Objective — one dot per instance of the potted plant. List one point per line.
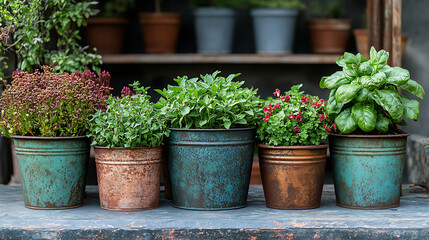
(106, 31)
(214, 25)
(160, 30)
(292, 155)
(46, 113)
(210, 147)
(274, 24)
(127, 141)
(329, 31)
(368, 151)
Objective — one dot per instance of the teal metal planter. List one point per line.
(368, 169)
(210, 168)
(53, 170)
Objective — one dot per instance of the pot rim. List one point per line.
(370, 136)
(321, 146)
(47, 138)
(210, 129)
(126, 148)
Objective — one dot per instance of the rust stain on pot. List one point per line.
(293, 176)
(128, 179)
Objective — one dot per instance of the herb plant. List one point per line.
(364, 94)
(129, 121)
(50, 104)
(289, 4)
(294, 119)
(327, 9)
(213, 102)
(45, 32)
(219, 3)
(114, 8)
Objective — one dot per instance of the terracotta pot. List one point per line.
(329, 35)
(160, 31)
(293, 176)
(362, 45)
(128, 179)
(106, 34)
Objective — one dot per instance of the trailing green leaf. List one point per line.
(346, 93)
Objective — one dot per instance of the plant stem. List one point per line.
(158, 6)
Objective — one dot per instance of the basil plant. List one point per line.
(364, 94)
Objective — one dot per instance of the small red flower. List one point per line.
(298, 118)
(269, 113)
(286, 99)
(291, 116)
(304, 99)
(321, 117)
(328, 129)
(324, 125)
(296, 129)
(335, 127)
(265, 109)
(277, 92)
(266, 118)
(277, 105)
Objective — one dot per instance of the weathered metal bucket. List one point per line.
(368, 169)
(293, 176)
(128, 178)
(210, 168)
(53, 170)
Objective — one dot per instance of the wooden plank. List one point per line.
(375, 23)
(396, 33)
(387, 34)
(220, 59)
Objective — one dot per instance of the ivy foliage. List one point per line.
(364, 94)
(46, 33)
(129, 121)
(212, 102)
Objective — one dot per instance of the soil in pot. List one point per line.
(293, 176)
(128, 179)
(329, 35)
(368, 169)
(106, 34)
(160, 31)
(53, 170)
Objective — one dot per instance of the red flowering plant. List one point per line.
(294, 119)
(50, 104)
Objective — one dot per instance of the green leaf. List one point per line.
(350, 58)
(362, 95)
(365, 68)
(373, 82)
(346, 93)
(332, 106)
(414, 88)
(397, 76)
(368, 119)
(391, 102)
(185, 110)
(411, 108)
(341, 62)
(334, 81)
(382, 124)
(378, 59)
(345, 122)
(227, 124)
(357, 111)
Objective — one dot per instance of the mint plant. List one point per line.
(129, 121)
(212, 102)
(51, 104)
(364, 94)
(289, 4)
(294, 119)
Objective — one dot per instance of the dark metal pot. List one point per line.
(53, 170)
(128, 179)
(210, 168)
(293, 176)
(368, 169)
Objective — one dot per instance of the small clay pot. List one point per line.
(329, 35)
(160, 31)
(106, 34)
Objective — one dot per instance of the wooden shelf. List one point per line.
(220, 59)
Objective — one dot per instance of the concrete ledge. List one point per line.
(417, 164)
(410, 221)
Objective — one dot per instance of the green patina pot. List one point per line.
(210, 168)
(53, 170)
(368, 169)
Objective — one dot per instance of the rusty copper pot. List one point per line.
(292, 176)
(128, 179)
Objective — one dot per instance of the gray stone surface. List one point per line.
(409, 221)
(417, 169)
